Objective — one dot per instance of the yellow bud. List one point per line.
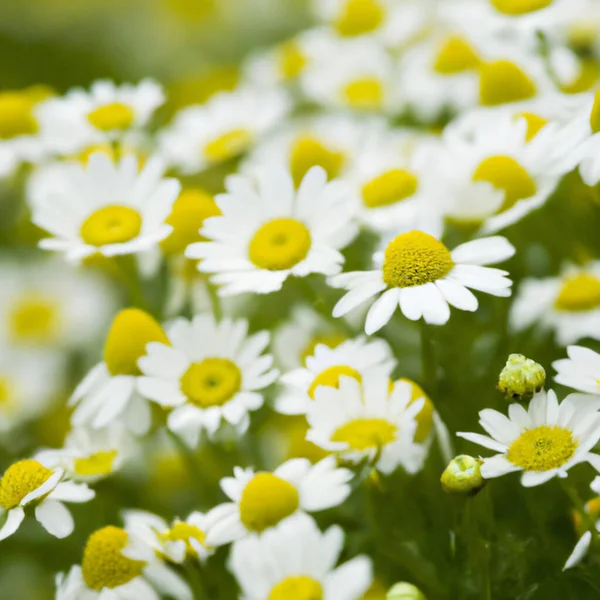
(405, 591)
(463, 476)
(521, 377)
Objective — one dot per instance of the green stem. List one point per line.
(194, 576)
(428, 364)
(578, 503)
(194, 471)
(215, 301)
(129, 275)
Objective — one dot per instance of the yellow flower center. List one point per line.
(267, 500)
(19, 480)
(34, 319)
(455, 55)
(535, 123)
(389, 188)
(308, 152)
(520, 7)
(365, 434)
(331, 377)
(6, 393)
(212, 382)
(111, 225)
(187, 216)
(359, 16)
(589, 73)
(415, 258)
(364, 94)
(280, 244)
(99, 463)
(228, 145)
(502, 81)
(332, 340)
(424, 417)
(595, 114)
(579, 293)
(291, 60)
(112, 116)
(297, 588)
(542, 448)
(184, 532)
(16, 116)
(126, 341)
(103, 564)
(506, 174)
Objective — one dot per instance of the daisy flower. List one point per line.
(580, 370)
(295, 560)
(28, 484)
(107, 208)
(269, 231)
(109, 391)
(568, 304)
(210, 372)
(421, 276)
(261, 500)
(351, 358)
(107, 572)
(542, 442)
(106, 112)
(228, 125)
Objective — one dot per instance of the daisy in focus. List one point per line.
(210, 372)
(542, 442)
(294, 560)
(580, 370)
(261, 500)
(422, 277)
(268, 231)
(107, 208)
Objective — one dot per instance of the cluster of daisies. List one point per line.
(350, 156)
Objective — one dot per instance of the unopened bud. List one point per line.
(463, 476)
(521, 378)
(405, 591)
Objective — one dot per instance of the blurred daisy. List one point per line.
(580, 370)
(210, 372)
(568, 304)
(28, 484)
(108, 209)
(543, 442)
(268, 231)
(261, 500)
(228, 125)
(370, 420)
(109, 391)
(421, 276)
(295, 560)
(351, 358)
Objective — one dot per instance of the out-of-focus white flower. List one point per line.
(580, 370)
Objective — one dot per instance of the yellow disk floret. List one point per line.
(19, 480)
(364, 94)
(291, 59)
(455, 55)
(331, 340)
(502, 81)
(16, 116)
(103, 564)
(331, 377)
(595, 114)
(112, 116)
(228, 145)
(365, 434)
(212, 382)
(184, 532)
(535, 124)
(267, 500)
(415, 258)
(543, 448)
(388, 188)
(579, 293)
(297, 588)
(308, 152)
(34, 318)
(520, 7)
(114, 224)
(99, 463)
(359, 17)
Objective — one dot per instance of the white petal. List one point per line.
(484, 251)
(457, 295)
(483, 440)
(580, 550)
(14, 518)
(55, 518)
(381, 311)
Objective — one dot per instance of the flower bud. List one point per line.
(521, 377)
(405, 591)
(463, 476)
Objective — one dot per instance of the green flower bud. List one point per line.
(521, 378)
(405, 591)
(463, 476)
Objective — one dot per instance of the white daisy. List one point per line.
(228, 125)
(421, 276)
(261, 500)
(27, 483)
(351, 358)
(373, 420)
(295, 560)
(109, 391)
(580, 371)
(81, 119)
(209, 372)
(543, 442)
(269, 231)
(108, 208)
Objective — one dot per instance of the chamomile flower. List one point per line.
(28, 484)
(228, 125)
(210, 372)
(107, 208)
(294, 560)
(542, 442)
(109, 391)
(107, 572)
(422, 277)
(106, 112)
(568, 304)
(351, 358)
(372, 419)
(269, 231)
(261, 500)
(580, 370)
